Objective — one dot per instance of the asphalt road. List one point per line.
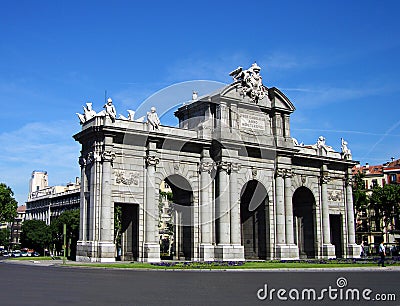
(38, 285)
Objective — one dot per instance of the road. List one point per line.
(56, 285)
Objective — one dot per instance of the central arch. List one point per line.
(253, 220)
(304, 222)
(182, 211)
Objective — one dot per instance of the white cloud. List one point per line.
(38, 146)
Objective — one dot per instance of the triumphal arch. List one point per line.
(242, 187)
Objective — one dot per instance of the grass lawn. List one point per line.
(231, 265)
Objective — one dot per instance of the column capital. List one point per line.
(92, 157)
(348, 180)
(325, 179)
(205, 166)
(107, 156)
(285, 173)
(82, 161)
(279, 172)
(152, 160)
(235, 167)
(224, 166)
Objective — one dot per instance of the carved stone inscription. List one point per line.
(252, 122)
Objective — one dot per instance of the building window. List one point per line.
(374, 183)
(393, 178)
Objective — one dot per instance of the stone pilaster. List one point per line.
(151, 247)
(353, 250)
(328, 249)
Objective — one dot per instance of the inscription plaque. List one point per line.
(252, 122)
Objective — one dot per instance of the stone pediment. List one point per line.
(275, 99)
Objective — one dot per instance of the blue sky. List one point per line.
(337, 61)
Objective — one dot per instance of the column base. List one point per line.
(229, 252)
(151, 252)
(95, 251)
(207, 252)
(353, 251)
(286, 251)
(328, 251)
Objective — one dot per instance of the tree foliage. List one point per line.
(8, 205)
(385, 201)
(5, 237)
(71, 218)
(35, 234)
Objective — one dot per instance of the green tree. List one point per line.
(360, 200)
(385, 202)
(5, 237)
(71, 218)
(8, 205)
(35, 234)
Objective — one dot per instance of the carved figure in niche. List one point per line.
(251, 82)
(152, 118)
(110, 110)
(345, 150)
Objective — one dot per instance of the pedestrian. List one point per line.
(362, 253)
(382, 254)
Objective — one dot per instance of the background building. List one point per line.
(369, 228)
(16, 226)
(46, 202)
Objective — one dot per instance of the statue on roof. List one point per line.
(152, 118)
(88, 113)
(251, 82)
(110, 110)
(346, 153)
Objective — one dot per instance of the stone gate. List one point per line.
(243, 187)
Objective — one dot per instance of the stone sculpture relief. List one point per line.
(334, 195)
(251, 82)
(121, 178)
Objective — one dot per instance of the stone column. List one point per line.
(328, 250)
(353, 250)
(280, 207)
(282, 249)
(151, 248)
(82, 204)
(235, 205)
(293, 250)
(206, 215)
(223, 205)
(106, 241)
